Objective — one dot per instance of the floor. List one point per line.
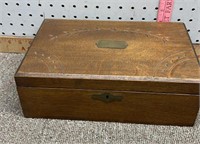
(14, 128)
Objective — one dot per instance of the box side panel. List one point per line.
(118, 85)
(109, 106)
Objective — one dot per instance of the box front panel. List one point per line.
(148, 108)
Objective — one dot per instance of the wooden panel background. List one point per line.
(15, 44)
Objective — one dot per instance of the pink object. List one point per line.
(165, 10)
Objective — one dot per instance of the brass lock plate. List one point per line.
(106, 97)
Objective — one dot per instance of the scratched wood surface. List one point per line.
(154, 50)
(21, 45)
(157, 74)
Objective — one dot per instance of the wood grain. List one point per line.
(10, 44)
(22, 44)
(149, 108)
(197, 50)
(156, 52)
(154, 49)
(99, 84)
(157, 74)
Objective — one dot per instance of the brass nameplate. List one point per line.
(111, 44)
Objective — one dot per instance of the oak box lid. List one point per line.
(136, 56)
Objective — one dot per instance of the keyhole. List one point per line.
(107, 96)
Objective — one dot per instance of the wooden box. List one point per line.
(138, 72)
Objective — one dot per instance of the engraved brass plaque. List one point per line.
(111, 44)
